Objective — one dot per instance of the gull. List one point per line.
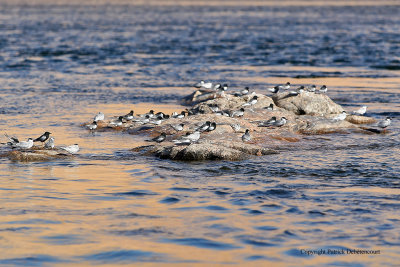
(72, 149)
(246, 137)
(99, 117)
(341, 117)
(43, 137)
(50, 143)
(361, 111)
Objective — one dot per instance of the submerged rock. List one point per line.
(307, 103)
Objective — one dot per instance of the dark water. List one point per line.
(61, 64)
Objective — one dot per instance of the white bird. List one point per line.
(24, 144)
(282, 121)
(251, 102)
(385, 123)
(205, 85)
(361, 111)
(341, 117)
(235, 127)
(189, 137)
(270, 122)
(99, 117)
(323, 89)
(238, 113)
(246, 137)
(72, 149)
(311, 88)
(50, 143)
(92, 125)
(117, 122)
(129, 116)
(177, 127)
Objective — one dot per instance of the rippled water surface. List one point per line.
(61, 64)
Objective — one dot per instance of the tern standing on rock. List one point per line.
(92, 126)
(43, 137)
(99, 117)
(246, 137)
(50, 143)
(341, 117)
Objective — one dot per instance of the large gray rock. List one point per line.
(35, 155)
(307, 103)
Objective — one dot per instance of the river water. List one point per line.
(62, 63)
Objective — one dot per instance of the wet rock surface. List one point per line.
(36, 154)
(305, 114)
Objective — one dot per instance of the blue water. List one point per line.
(61, 64)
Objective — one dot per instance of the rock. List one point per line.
(201, 96)
(360, 119)
(307, 103)
(325, 126)
(35, 155)
(230, 102)
(206, 150)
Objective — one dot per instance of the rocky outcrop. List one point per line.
(35, 155)
(306, 113)
(307, 103)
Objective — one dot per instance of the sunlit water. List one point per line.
(62, 64)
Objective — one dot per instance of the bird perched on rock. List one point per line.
(159, 138)
(128, 116)
(117, 122)
(323, 89)
(341, 117)
(282, 121)
(24, 144)
(92, 126)
(235, 127)
(212, 127)
(204, 126)
(188, 138)
(99, 117)
(246, 137)
(72, 149)
(205, 85)
(251, 102)
(361, 111)
(177, 127)
(238, 113)
(270, 122)
(311, 88)
(270, 107)
(43, 137)
(50, 143)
